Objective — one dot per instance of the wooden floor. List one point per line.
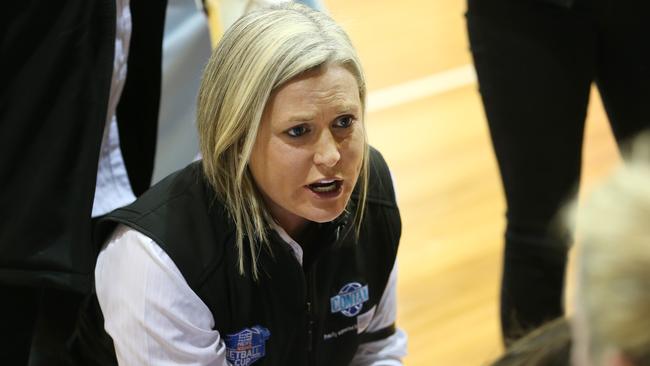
(448, 184)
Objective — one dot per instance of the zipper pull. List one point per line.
(310, 337)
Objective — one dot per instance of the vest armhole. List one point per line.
(377, 335)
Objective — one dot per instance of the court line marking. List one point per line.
(428, 86)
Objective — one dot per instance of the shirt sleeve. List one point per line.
(150, 311)
(390, 350)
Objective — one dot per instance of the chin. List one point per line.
(323, 216)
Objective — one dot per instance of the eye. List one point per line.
(297, 131)
(344, 121)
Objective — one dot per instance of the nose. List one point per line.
(327, 150)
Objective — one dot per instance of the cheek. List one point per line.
(266, 165)
(354, 150)
(287, 164)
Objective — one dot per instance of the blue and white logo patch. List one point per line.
(246, 346)
(350, 299)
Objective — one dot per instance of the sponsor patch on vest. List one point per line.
(350, 299)
(340, 332)
(246, 346)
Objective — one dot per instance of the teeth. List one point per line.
(325, 185)
(327, 188)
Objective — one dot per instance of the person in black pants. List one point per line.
(60, 69)
(536, 61)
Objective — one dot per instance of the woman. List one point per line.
(278, 248)
(536, 61)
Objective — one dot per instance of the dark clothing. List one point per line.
(16, 336)
(56, 67)
(37, 324)
(309, 313)
(57, 63)
(137, 112)
(536, 61)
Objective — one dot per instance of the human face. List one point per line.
(309, 148)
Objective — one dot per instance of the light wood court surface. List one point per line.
(449, 192)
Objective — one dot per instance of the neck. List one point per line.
(296, 227)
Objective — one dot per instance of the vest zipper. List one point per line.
(311, 322)
(310, 330)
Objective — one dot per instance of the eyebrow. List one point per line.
(340, 109)
(297, 118)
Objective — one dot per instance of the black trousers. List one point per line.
(53, 327)
(38, 325)
(536, 62)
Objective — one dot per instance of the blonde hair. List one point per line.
(614, 260)
(260, 52)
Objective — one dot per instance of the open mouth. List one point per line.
(326, 187)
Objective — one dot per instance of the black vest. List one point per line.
(55, 77)
(292, 315)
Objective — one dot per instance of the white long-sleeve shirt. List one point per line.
(155, 318)
(112, 188)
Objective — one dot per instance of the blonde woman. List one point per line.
(278, 248)
(612, 320)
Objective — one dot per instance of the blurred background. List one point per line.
(425, 116)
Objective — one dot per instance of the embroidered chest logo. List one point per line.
(350, 299)
(246, 346)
